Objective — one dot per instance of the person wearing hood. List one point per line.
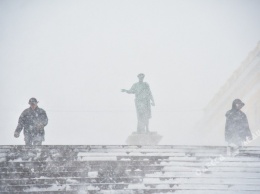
(237, 128)
(32, 121)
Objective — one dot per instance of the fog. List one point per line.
(76, 56)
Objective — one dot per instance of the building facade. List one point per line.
(243, 84)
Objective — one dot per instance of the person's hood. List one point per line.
(237, 101)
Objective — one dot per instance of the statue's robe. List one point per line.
(143, 97)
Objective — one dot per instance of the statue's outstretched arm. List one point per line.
(127, 91)
(131, 91)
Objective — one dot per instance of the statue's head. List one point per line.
(141, 76)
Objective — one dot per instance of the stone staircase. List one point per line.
(129, 169)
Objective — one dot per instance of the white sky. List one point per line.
(75, 56)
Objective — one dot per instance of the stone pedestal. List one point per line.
(150, 138)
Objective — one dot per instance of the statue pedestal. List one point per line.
(150, 138)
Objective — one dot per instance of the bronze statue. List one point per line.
(143, 101)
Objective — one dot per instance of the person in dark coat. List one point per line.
(32, 121)
(143, 101)
(237, 128)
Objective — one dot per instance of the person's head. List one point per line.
(237, 104)
(33, 103)
(140, 77)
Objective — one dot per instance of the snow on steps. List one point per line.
(129, 169)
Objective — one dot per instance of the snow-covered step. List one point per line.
(126, 163)
(124, 151)
(122, 172)
(117, 186)
(146, 168)
(113, 146)
(155, 180)
(118, 148)
(206, 174)
(84, 164)
(137, 191)
(40, 153)
(121, 147)
(217, 163)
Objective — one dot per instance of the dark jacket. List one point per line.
(237, 129)
(32, 122)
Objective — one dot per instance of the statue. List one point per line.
(143, 101)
